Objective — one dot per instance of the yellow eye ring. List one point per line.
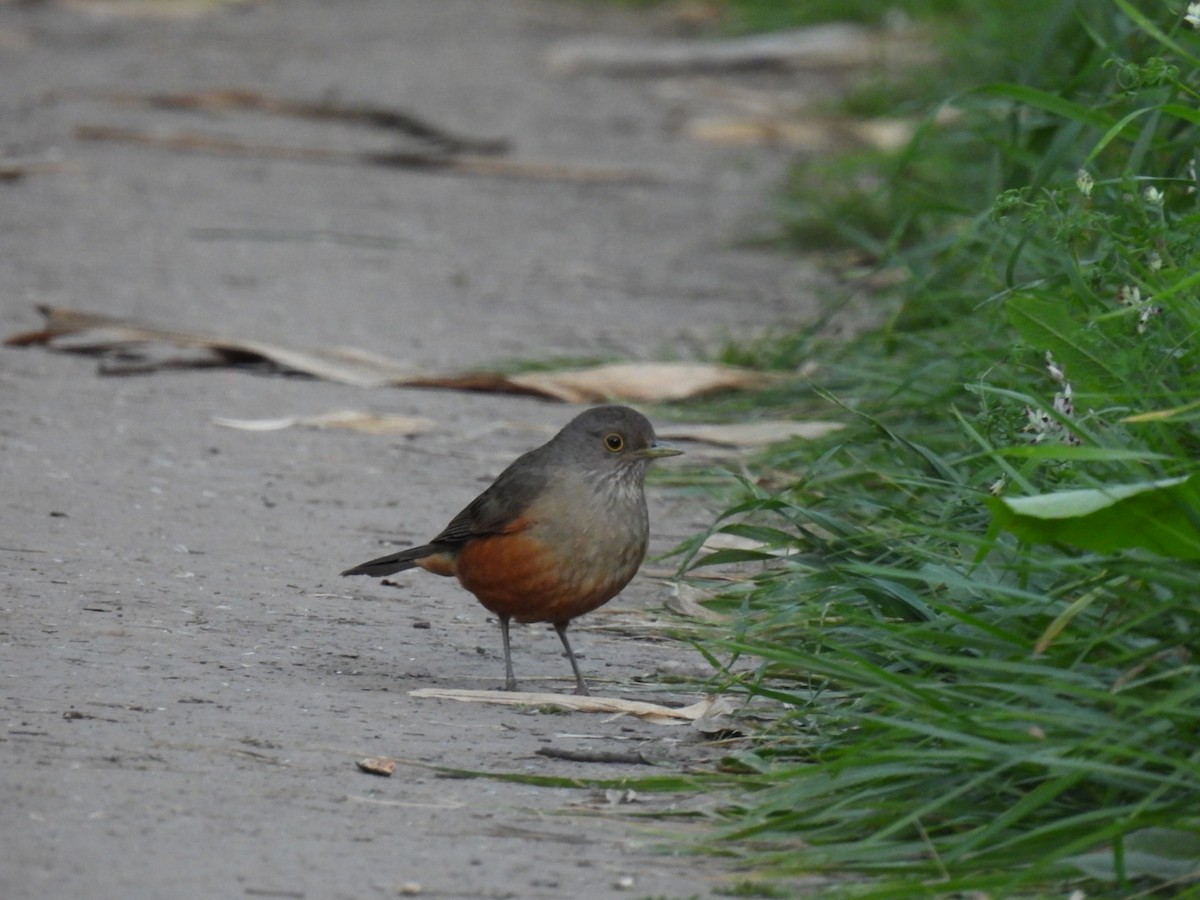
(614, 442)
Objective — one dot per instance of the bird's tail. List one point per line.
(394, 562)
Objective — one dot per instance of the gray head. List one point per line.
(611, 439)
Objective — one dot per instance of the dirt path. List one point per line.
(186, 683)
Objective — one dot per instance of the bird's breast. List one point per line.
(572, 555)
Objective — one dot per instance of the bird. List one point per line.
(559, 533)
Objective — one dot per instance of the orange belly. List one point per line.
(519, 576)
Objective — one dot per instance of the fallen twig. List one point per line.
(16, 169)
(245, 100)
(193, 142)
(595, 756)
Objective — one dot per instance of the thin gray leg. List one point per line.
(580, 684)
(510, 681)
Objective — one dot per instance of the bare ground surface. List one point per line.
(186, 683)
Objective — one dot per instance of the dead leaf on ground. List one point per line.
(831, 47)
(835, 45)
(722, 541)
(640, 381)
(687, 600)
(426, 147)
(349, 419)
(719, 708)
(152, 9)
(649, 712)
(818, 135)
(749, 434)
(18, 169)
(226, 100)
(377, 765)
(437, 160)
(76, 331)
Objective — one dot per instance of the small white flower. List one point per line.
(997, 487)
(1084, 180)
(1040, 423)
(1064, 404)
(1129, 295)
(1055, 370)
(1154, 261)
(1193, 15)
(1044, 425)
(1153, 196)
(1148, 313)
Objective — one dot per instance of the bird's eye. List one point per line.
(614, 442)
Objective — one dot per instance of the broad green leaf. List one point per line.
(1048, 325)
(1161, 516)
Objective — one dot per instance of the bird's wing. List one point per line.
(501, 508)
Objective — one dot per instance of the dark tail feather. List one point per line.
(393, 562)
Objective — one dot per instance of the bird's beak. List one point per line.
(657, 450)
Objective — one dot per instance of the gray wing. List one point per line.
(502, 504)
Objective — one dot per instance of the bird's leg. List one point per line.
(580, 684)
(510, 681)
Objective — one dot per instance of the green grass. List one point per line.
(988, 695)
(977, 609)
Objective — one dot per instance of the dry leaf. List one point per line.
(649, 712)
(686, 600)
(82, 332)
(807, 133)
(836, 45)
(831, 47)
(645, 382)
(349, 419)
(719, 707)
(222, 100)
(721, 541)
(748, 434)
(718, 720)
(17, 169)
(377, 765)
(435, 160)
(151, 9)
